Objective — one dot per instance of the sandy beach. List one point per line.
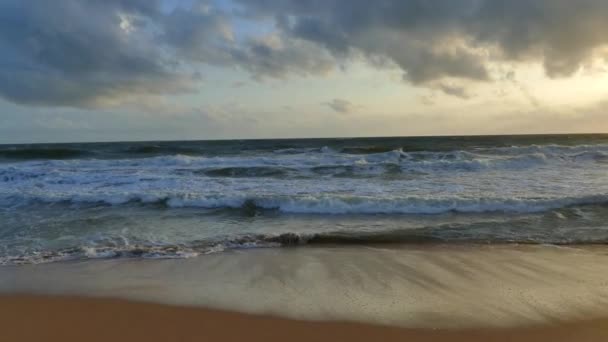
(300, 171)
(426, 292)
(31, 318)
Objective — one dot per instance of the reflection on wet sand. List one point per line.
(414, 286)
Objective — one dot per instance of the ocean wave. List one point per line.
(467, 161)
(336, 205)
(306, 164)
(305, 159)
(596, 156)
(16, 175)
(394, 182)
(155, 250)
(323, 204)
(551, 150)
(349, 147)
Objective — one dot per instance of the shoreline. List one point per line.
(422, 287)
(55, 318)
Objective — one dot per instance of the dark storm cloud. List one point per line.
(96, 53)
(76, 53)
(433, 39)
(198, 34)
(88, 53)
(278, 58)
(562, 34)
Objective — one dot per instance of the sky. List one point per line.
(120, 70)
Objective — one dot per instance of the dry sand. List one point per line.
(65, 319)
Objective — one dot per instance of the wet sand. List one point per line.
(409, 286)
(352, 293)
(34, 318)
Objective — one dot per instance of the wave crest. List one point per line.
(325, 204)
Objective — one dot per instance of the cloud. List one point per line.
(272, 56)
(84, 53)
(198, 34)
(104, 53)
(561, 34)
(454, 90)
(80, 53)
(340, 106)
(435, 39)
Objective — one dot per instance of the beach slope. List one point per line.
(43, 318)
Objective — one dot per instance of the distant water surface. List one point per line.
(182, 199)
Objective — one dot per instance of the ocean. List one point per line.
(184, 199)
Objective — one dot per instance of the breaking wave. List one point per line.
(437, 235)
(183, 199)
(306, 164)
(324, 204)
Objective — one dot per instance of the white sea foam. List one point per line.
(513, 179)
(195, 205)
(335, 204)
